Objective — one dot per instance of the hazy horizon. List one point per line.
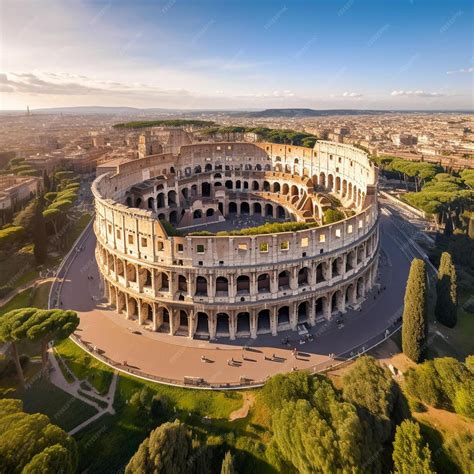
(194, 55)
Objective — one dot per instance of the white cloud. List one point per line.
(468, 70)
(348, 95)
(418, 93)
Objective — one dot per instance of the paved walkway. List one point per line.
(74, 389)
(176, 357)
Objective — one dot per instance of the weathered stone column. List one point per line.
(312, 311)
(327, 307)
(153, 311)
(253, 324)
(273, 320)
(294, 278)
(173, 322)
(293, 316)
(232, 325)
(192, 323)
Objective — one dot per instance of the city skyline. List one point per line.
(192, 55)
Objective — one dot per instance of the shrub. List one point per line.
(11, 234)
(333, 215)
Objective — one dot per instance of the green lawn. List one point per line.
(84, 366)
(61, 408)
(21, 300)
(108, 444)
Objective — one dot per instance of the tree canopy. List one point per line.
(410, 454)
(31, 444)
(415, 324)
(446, 292)
(167, 450)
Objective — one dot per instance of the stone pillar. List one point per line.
(274, 282)
(294, 278)
(153, 310)
(293, 316)
(327, 307)
(127, 309)
(253, 284)
(312, 311)
(232, 325)
(232, 285)
(253, 324)
(274, 320)
(153, 282)
(212, 326)
(140, 312)
(192, 323)
(173, 322)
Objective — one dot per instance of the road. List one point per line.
(176, 357)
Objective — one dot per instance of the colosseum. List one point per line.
(172, 257)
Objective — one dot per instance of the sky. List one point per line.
(208, 54)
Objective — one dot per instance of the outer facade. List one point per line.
(237, 286)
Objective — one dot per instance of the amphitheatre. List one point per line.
(224, 246)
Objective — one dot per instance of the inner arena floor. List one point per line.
(174, 357)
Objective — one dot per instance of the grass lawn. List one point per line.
(108, 444)
(21, 300)
(84, 366)
(61, 408)
(457, 342)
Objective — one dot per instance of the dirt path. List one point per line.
(243, 411)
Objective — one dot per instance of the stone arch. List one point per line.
(222, 324)
(229, 184)
(303, 312)
(321, 272)
(245, 208)
(208, 167)
(172, 198)
(268, 210)
(160, 200)
(266, 186)
(276, 187)
(283, 316)
(243, 324)
(263, 283)
(320, 306)
(182, 283)
(222, 286)
(285, 189)
(162, 281)
(232, 208)
(280, 212)
(263, 321)
(284, 280)
(322, 179)
(255, 186)
(201, 286)
(210, 212)
(257, 208)
(151, 203)
(202, 326)
(131, 272)
(303, 276)
(197, 214)
(336, 301)
(243, 285)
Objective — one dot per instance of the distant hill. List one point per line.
(310, 112)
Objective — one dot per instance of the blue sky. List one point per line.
(391, 54)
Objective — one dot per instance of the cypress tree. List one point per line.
(228, 464)
(415, 324)
(410, 454)
(446, 292)
(40, 238)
